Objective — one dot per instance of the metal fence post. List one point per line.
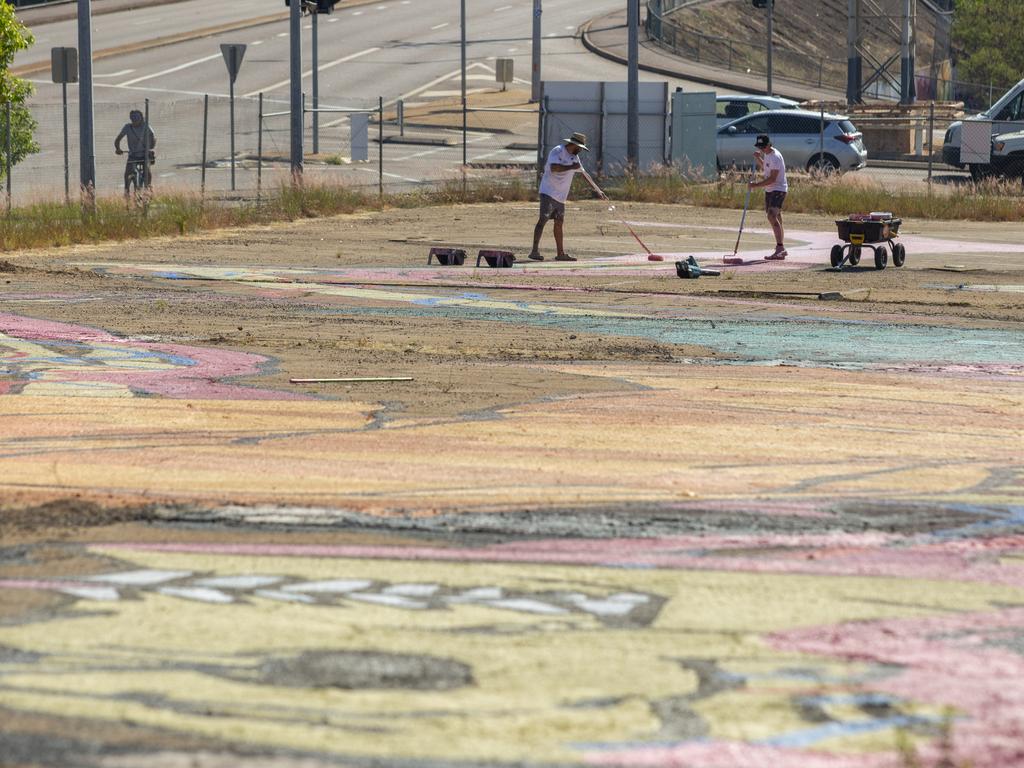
(821, 135)
(259, 153)
(380, 148)
(542, 114)
(147, 176)
(401, 117)
(7, 160)
(206, 123)
(931, 141)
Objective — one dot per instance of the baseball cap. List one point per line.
(762, 140)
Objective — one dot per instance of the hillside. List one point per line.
(810, 36)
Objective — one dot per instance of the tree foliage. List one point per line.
(14, 37)
(987, 34)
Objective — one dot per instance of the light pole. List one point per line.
(535, 90)
(633, 85)
(771, 34)
(462, 19)
(295, 106)
(86, 138)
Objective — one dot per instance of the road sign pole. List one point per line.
(67, 165)
(233, 54)
(231, 99)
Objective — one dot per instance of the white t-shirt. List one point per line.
(773, 160)
(556, 184)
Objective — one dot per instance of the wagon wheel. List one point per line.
(899, 254)
(854, 255)
(836, 255)
(881, 257)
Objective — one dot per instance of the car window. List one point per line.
(753, 106)
(1014, 110)
(755, 124)
(731, 110)
(792, 124)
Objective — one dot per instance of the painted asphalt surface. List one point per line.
(797, 554)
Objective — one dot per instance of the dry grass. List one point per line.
(989, 200)
(44, 224)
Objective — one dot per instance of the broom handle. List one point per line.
(743, 218)
(592, 183)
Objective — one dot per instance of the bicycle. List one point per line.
(137, 189)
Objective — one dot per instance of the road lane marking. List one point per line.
(120, 73)
(256, 42)
(309, 72)
(503, 8)
(281, 34)
(178, 68)
(331, 21)
(440, 26)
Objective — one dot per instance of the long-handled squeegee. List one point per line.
(735, 259)
(650, 255)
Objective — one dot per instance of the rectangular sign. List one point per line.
(64, 65)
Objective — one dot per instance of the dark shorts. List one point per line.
(551, 208)
(774, 200)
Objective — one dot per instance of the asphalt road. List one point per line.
(391, 50)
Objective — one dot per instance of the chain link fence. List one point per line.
(383, 147)
(193, 151)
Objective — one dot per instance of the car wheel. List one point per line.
(826, 165)
(979, 172)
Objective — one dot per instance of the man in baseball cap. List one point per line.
(562, 165)
(772, 166)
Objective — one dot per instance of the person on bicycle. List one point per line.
(140, 138)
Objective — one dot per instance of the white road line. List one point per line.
(331, 21)
(357, 13)
(442, 78)
(178, 68)
(120, 73)
(256, 42)
(391, 175)
(281, 34)
(309, 72)
(440, 26)
(503, 8)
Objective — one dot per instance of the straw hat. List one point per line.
(579, 139)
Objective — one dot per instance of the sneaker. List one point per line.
(564, 257)
(779, 254)
(535, 255)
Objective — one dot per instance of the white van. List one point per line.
(1006, 115)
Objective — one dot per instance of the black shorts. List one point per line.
(774, 200)
(551, 208)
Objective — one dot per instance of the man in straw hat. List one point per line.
(561, 167)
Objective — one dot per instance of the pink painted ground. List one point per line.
(197, 372)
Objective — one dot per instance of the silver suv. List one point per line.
(798, 135)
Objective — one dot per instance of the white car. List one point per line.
(1006, 115)
(1008, 155)
(803, 139)
(733, 106)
